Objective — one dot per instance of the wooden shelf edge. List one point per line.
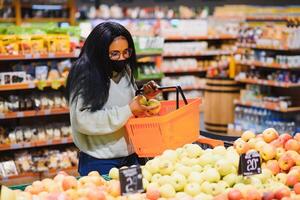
(252, 104)
(34, 113)
(266, 65)
(268, 83)
(38, 56)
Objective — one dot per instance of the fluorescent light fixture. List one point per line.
(46, 7)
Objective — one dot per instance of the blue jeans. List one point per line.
(88, 163)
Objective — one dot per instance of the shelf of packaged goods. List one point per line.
(203, 53)
(38, 56)
(255, 46)
(33, 20)
(34, 113)
(205, 37)
(143, 54)
(73, 171)
(169, 70)
(266, 105)
(7, 20)
(29, 85)
(27, 145)
(23, 178)
(187, 88)
(266, 65)
(268, 83)
(267, 18)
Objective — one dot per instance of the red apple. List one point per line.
(273, 166)
(253, 194)
(152, 193)
(247, 135)
(241, 146)
(235, 194)
(260, 136)
(96, 195)
(69, 182)
(283, 192)
(286, 162)
(285, 137)
(291, 180)
(268, 152)
(292, 144)
(270, 134)
(277, 143)
(297, 137)
(297, 188)
(268, 195)
(221, 197)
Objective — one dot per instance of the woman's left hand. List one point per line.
(151, 89)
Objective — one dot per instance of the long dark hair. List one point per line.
(90, 74)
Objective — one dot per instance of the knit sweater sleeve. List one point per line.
(100, 122)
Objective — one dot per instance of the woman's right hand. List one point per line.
(139, 110)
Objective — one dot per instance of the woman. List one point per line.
(100, 92)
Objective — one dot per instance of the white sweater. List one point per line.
(102, 134)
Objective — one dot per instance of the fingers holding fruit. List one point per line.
(151, 106)
(151, 89)
(136, 106)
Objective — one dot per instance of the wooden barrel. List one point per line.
(219, 104)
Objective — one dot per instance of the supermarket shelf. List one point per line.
(187, 88)
(27, 85)
(268, 83)
(265, 105)
(267, 18)
(148, 54)
(7, 20)
(266, 65)
(34, 113)
(204, 53)
(254, 46)
(205, 37)
(27, 145)
(187, 70)
(38, 56)
(30, 20)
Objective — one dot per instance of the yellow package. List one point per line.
(37, 44)
(63, 44)
(10, 44)
(50, 41)
(25, 44)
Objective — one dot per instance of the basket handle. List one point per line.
(178, 90)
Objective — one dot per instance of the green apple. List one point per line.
(197, 168)
(114, 173)
(231, 179)
(165, 167)
(223, 185)
(206, 159)
(182, 169)
(195, 177)
(164, 180)
(281, 177)
(182, 195)
(216, 189)
(211, 175)
(220, 150)
(169, 155)
(206, 187)
(179, 151)
(145, 183)
(167, 191)
(224, 167)
(192, 189)
(203, 196)
(189, 161)
(146, 174)
(178, 181)
(194, 151)
(155, 178)
(152, 165)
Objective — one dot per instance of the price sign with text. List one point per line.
(131, 180)
(250, 164)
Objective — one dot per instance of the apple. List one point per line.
(292, 144)
(69, 182)
(273, 166)
(189, 161)
(235, 194)
(180, 168)
(279, 152)
(241, 146)
(167, 191)
(195, 177)
(152, 193)
(152, 165)
(114, 173)
(281, 177)
(283, 192)
(223, 185)
(253, 194)
(206, 159)
(197, 168)
(251, 142)
(291, 180)
(194, 151)
(154, 103)
(219, 150)
(231, 179)
(297, 137)
(259, 145)
(146, 174)
(211, 175)
(169, 155)
(165, 167)
(203, 196)
(145, 183)
(178, 181)
(224, 167)
(96, 195)
(268, 152)
(285, 137)
(286, 162)
(297, 187)
(269, 195)
(270, 134)
(164, 180)
(192, 189)
(221, 197)
(277, 143)
(155, 178)
(114, 188)
(143, 100)
(247, 135)
(7, 193)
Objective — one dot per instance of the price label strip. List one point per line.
(250, 164)
(131, 180)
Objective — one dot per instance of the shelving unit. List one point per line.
(38, 56)
(34, 113)
(268, 83)
(30, 85)
(204, 53)
(267, 65)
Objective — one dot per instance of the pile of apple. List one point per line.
(279, 153)
(150, 103)
(193, 173)
(65, 187)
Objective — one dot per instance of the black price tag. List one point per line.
(249, 164)
(131, 180)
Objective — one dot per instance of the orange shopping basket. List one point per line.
(177, 123)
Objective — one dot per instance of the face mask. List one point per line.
(118, 65)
